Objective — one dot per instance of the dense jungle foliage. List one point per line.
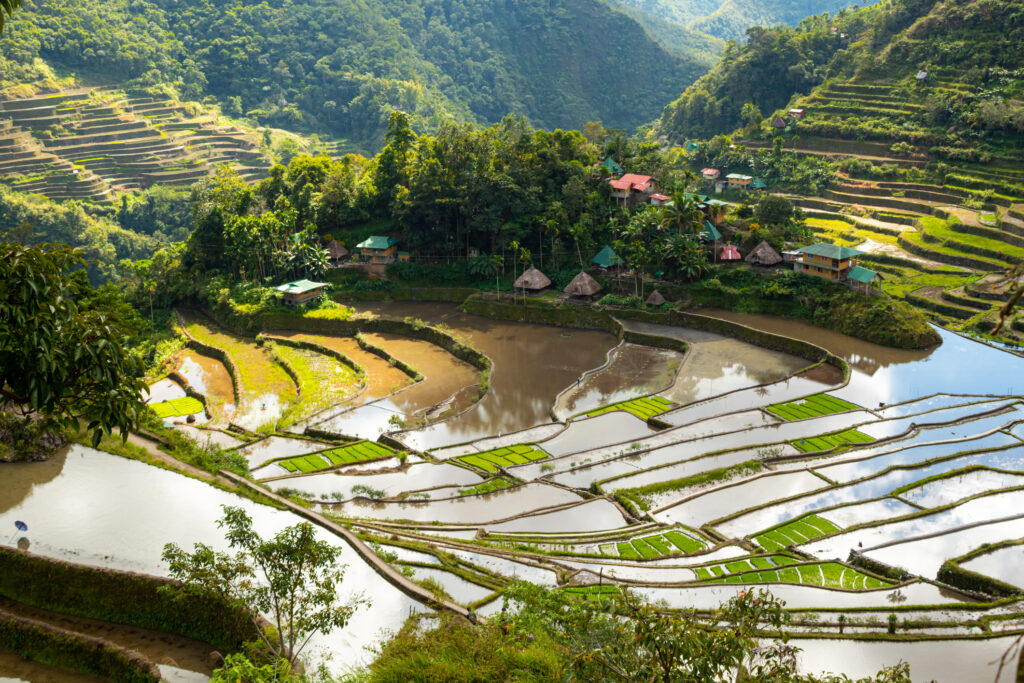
(339, 68)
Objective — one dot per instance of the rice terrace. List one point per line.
(866, 497)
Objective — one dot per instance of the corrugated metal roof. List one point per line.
(377, 242)
(833, 251)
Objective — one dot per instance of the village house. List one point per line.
(660, 199)
(797, 113)
(380, 249)
(632, 189)
(609, 167)
(738, 180)
(300, 291)
(336, 253)
(607, 258)
(832, 262)
(710, 175)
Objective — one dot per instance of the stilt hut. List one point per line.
(532, 280)
(763, 255)
(583, 287)
(655, 299)
(336, 253)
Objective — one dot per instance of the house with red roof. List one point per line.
(660, 199)
(632, 189)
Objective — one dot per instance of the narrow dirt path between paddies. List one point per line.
(266, 391)
(323, 381)
(382, 378)
(153, 448)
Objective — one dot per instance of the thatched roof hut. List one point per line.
(583, 286)
(655, 299)
(335, 251)
(763, 255)
(533, 280)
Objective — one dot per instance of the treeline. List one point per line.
(341, 66)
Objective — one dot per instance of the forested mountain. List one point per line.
(974, 44)
(339, 66)
(730, 19)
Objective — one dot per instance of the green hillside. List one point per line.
(729, 19)
(338, 68)
(908, 143)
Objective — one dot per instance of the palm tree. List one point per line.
(682, 213)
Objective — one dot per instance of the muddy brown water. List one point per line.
(14, 669)
(635, 370)
(158, 647)
(106, 510)
(444, 374)
(532, 364)
(209, 377)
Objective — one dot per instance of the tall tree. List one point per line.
(61, 365)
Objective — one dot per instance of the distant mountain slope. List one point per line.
(971, 50)
(678, 39)
(730, 19)
(339, 66)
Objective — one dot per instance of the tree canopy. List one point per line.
(62, 363)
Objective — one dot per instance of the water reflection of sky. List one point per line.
(957, 366)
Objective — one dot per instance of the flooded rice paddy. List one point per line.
(934, 474)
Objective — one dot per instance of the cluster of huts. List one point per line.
(376, 249)
(582, 288)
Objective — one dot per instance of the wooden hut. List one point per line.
(763, 255)
(336, 253)
(655, 299)
(583, 287)
(532, 280)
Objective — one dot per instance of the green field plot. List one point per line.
(644, 407)
(812, 406)
(826, 574)
(495, 484)
(177, 407)
(795, 532)
(593, 593)
(827, 442)
(360, 451)
(743, 565)
(659, 545)
(490, 461)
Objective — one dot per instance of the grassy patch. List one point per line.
(643, 496)
(258, 373)
(361, 451)
(826, 574)
(644, 407)
(323, 381)
(659, 545)
(495, 484)
(593, 593)
(177, 407)
(506, 456)
(827, 442)
(795, 532)
(812, 406)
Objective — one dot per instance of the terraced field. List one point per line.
(812, 406)
(507, 456)
(323, 381)
(825, 574)
(829, 441)
(644, 407)
(796, 532)
(177, 407)
(93, 143)
(845, 513)
(362, 451)
(660, 545)
(265, 389)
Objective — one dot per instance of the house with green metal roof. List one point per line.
(607, 258)
(299, 292)
(829, 261)
(758, 184)
(861, 278)
(377, 249)
(709, 233)
(610, 167)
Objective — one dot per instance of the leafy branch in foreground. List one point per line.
(292, 579)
